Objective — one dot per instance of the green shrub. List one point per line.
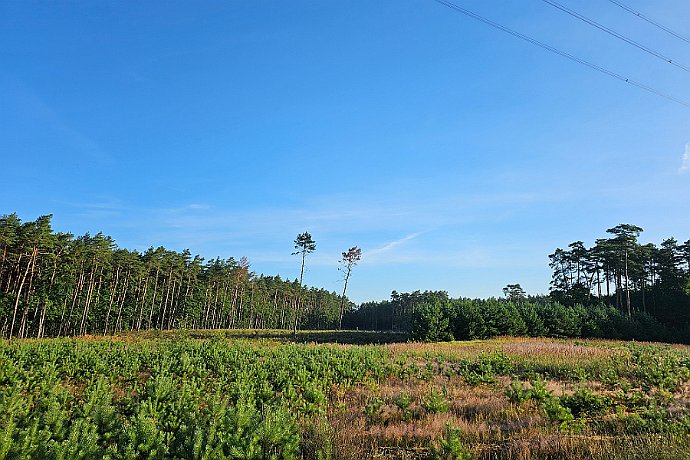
(374, 409)
(431, 322)
(403, 401)
(436, 402)
(450, 446)
(584, 402)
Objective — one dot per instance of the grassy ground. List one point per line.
(525, 398)
(256, 394)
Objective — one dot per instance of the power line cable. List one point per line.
(616, 34)
(651, 21)
(596, 67)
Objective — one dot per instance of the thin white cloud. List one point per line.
(388, 246)
(685, 162)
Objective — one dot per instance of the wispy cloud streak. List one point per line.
(388, 246)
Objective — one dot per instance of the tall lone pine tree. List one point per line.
(348, 261)
(304, 244)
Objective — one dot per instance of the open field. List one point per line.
(247, 394)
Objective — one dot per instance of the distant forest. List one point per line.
(618, 288)
(56, 284)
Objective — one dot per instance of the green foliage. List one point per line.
(431, 323)
(502, 318)
(450, 446)
(657, 366)
(374, 409)
(208, 398)
(533, 320)
(553, 407)
(584, 402)
(539, 391)
(561, 321)
(556, 412)
(170, 399)
(518, 393)
(403, 402)
(484, 368)
(465, 319)
(436, 402)
(55, 284)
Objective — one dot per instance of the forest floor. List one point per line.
(330, 394)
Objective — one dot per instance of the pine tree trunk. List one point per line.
(18, 296)
(153, 300)
(118, 321)
(112, 299)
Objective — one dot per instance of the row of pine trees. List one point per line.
(56, 284)
(622, 272)
(618, 288)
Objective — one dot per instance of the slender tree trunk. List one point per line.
(112, 299)
(608, 280)
(175, 305)
(2, 265)
(275, 306)
(25, 316)
(89, 296)
(598, 285)
(644, 301)
(186, 296)
(251, 306)
(143, 302)
(223, 303)
(153, 301)
(209, 296)
(18, 296)
(627, 288)
(342, 301)
(239, 309)
(66, 323)
(23, 328)
(167, 295)
(233, 306)
(118, 321)
(16, 272)
(215, 305)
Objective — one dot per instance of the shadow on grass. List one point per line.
(286, 336)
(344, 337)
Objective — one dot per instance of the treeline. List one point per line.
(624, 273)
(433, 316)
(56, 284)
(617, 289)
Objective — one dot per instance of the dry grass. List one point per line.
(491, 426)
(516, 347)
(485, 417)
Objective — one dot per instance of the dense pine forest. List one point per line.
(56, 284)
(618, 288)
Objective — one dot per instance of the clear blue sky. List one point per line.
(456, 156)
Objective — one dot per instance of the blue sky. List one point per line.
(456, 156)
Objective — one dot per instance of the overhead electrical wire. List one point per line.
(651, 21)
(535, 42)
(619, 36)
